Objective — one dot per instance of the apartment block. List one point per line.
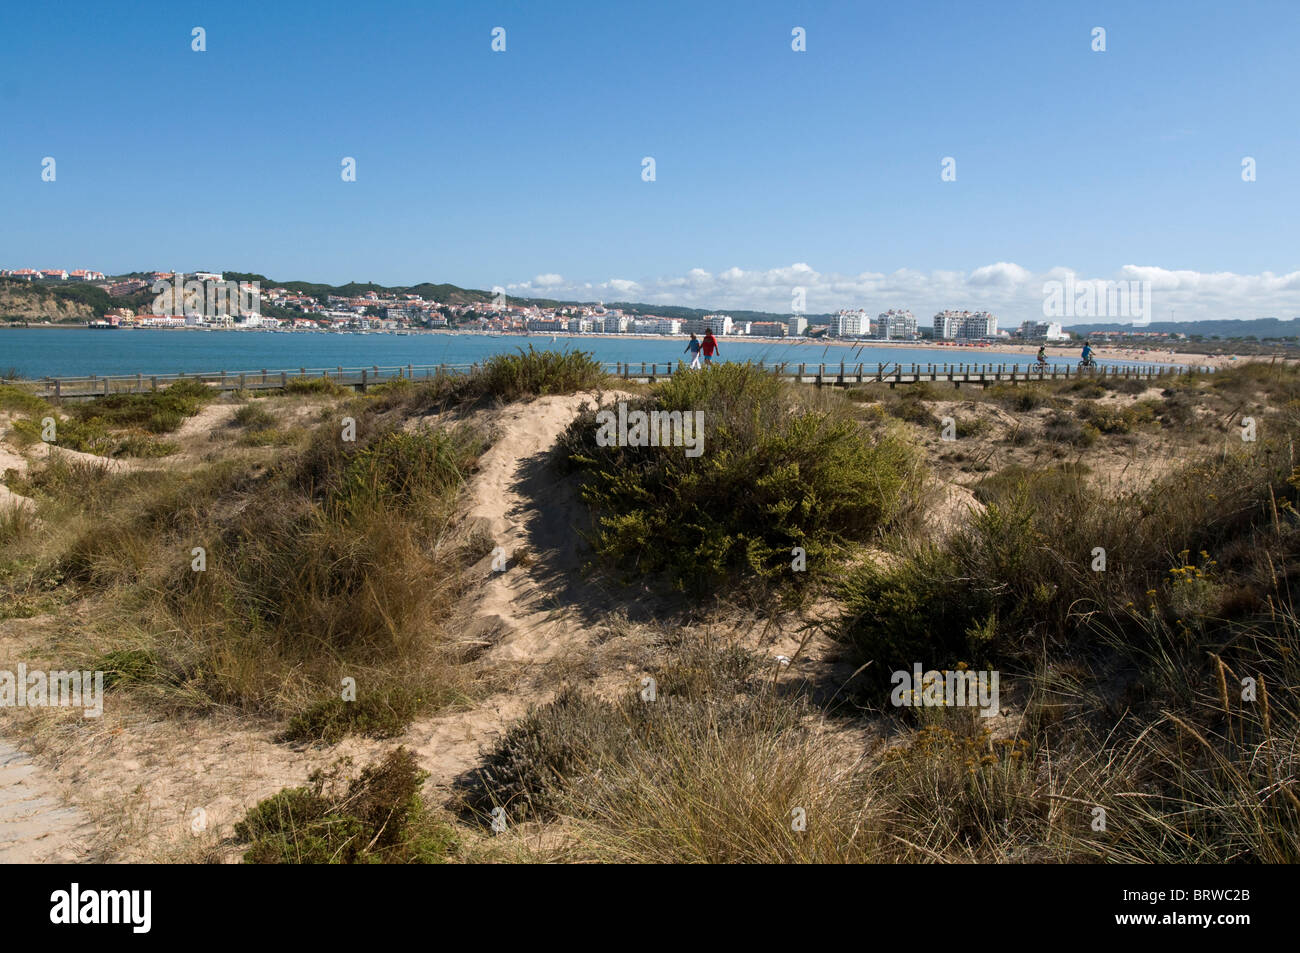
(896, 325)
(965, 325)
(851, 324)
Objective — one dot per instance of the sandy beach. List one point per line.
(961, 352)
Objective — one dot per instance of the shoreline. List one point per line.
(1103, 352)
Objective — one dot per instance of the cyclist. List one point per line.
(1042, 354)
(1087, 353)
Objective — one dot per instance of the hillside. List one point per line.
(1262, 328)
(452, 294)
(22, 301)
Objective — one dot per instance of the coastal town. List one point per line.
(210, 300)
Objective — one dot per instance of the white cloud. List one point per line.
(1007, 289)
(1004, 273)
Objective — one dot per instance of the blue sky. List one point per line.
(523, 168)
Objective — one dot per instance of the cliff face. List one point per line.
(34, 303)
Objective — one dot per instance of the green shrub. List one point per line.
(323, 386)
(1089, 388)
(253, 416)
(1125, 385)
(137, 446)
(771, 476)
(263, 438)
(1106, 419)
(1062, 429)
(908, 613)
(1178, 409)
(912, 408)
(972, 426)
(84, 436)
(1058, 483)
(1019, 397)
(1022, 573)
(18, 399)
(377, 817)
(382, 715)
(157, 411)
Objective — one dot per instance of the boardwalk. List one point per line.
(839, 374)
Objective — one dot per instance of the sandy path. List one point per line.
(137, 778)
(527, 613)
(35, 824)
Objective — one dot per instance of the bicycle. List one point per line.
(1039, 367)
(1088, 364)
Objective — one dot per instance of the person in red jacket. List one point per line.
(709, 347)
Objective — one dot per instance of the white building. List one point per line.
(718, 323)
(850, 324)
(1043, 331)
(670, 326)
(615, 324)
(965, 325)
(796, 326)
(896, 325)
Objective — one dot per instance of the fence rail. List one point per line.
(840, 373)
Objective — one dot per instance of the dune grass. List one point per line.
(524, 375)
(264, 587)
(113, 425)
(1148, 639)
